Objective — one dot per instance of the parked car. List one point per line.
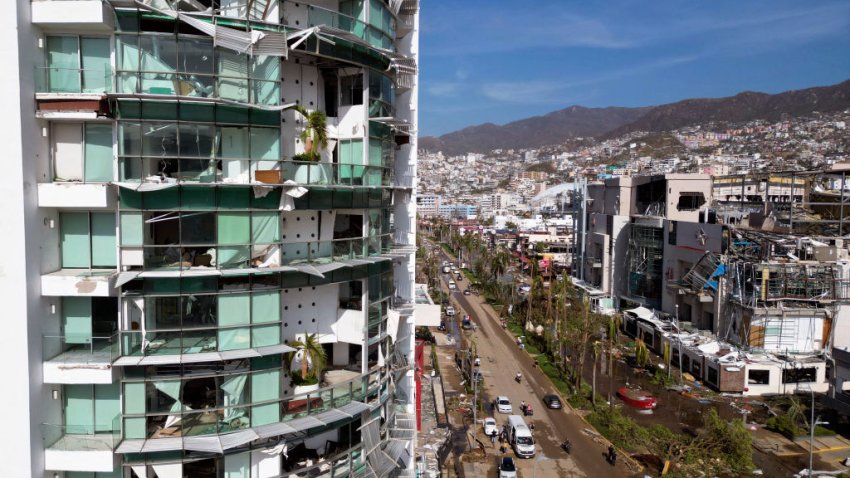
(503, 404)
(507, 468)
(450, 311)
(490, 426)
(552, 401)
(477, 376)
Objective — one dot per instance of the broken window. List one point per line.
(351, 295)
(799, 375)
(758, 377)
(351, 90)
(690, 201)
(348, 226)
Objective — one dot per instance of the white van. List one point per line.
(520, 437)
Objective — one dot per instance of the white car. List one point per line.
(503, 404)
(490, 426)
(450, 311)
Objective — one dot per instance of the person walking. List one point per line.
(503, 447)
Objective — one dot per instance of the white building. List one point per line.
(180, 240)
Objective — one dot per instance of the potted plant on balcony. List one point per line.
(315, 138)
(306, 363)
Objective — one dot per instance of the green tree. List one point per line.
(313, 360)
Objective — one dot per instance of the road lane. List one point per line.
(500, 360)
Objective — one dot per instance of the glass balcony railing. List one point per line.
(72, 80)
(82, 437)
(244, 171)
(80, 348)
(317, 16)
(216, 420)
(215, 339)
(200, 257)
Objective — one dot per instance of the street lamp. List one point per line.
(812, 425)
(679, 342)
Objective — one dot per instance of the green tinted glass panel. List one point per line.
(198, 198)
(107, 406)
(265, 335)
(76, 320)
(97, 71)
(265, 386)
(233, 309)
(234, 339)
(234, 228)
(265, 227)
(103, 240)
(74, 239)
(234, 198)
(269, 201)
(98, 153)
(265, 143)
(79, 409)
(63, 61)
(230, 257)
(162, 199)
(134, 398)
(265, 307)
(131, 229)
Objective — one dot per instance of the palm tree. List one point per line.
(315, 132)
(313, 358)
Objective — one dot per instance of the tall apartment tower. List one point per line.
(208, 232)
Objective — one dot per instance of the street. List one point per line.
(501, 358)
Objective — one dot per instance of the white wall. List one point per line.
(20, 342)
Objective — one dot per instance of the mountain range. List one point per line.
(579, 121)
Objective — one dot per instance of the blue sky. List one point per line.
(502, 60)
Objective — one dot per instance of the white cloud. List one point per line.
(443, 89)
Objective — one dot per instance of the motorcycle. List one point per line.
(518, 378)
(566, 446)
(612, 456)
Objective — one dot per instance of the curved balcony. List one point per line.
(216, 428)
(211, 259)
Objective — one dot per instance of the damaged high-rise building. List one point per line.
(208, 215)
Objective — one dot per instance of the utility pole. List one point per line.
(679, 342)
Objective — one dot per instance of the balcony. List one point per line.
(91, 15)
(192, 346)
(205, 429)
(80, 448)
(76, 195)
(77, 359)
(206, 259)
(72, 93)
(254, 172)
(79, 283)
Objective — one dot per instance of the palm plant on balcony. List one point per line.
(315, 132)
(308, 360)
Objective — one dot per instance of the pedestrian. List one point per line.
(493, 437)
(503, 447)
(531, 426)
